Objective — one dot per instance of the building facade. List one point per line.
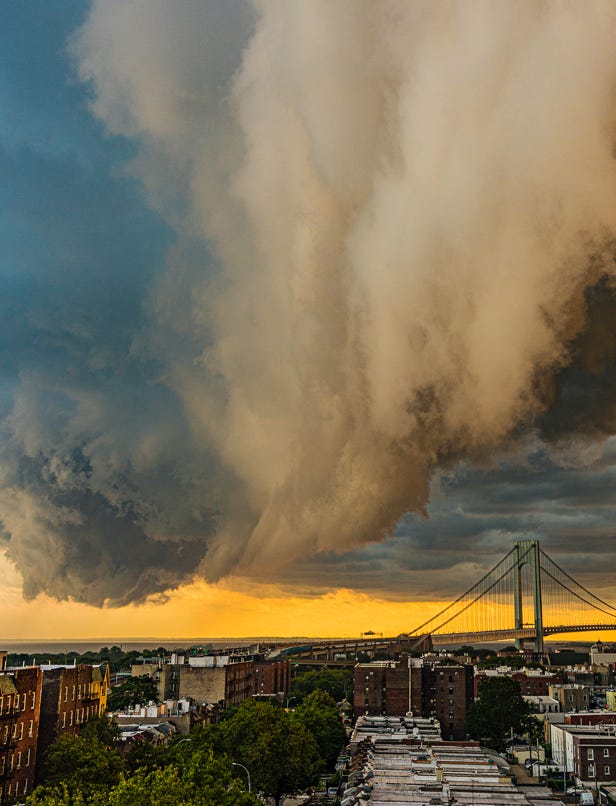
(272, 677)
(70, 696)
(20, 707)
(423, 688)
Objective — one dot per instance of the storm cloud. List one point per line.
(387, 254)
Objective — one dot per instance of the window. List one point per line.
(79, 693)
(23, 702)
(31, 728)
(73, 692)
(606, 752)
(19, 760)
(606, 770)
(16, 706)
(14, 733)
(65, 693)
(21, 731)
(71, 719)
(28, 757)
(591, 770)
(1, 703)
(32, 704)
(64, 719)
(590, 754)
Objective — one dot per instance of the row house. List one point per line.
(20, 706)
(588, 752)
(571, 697)
(532, 682)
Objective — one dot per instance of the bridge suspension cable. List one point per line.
(525, 593)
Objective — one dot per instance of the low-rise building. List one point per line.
(588, 753)
(571, 697)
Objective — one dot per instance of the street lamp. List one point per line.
(237, 764)
(289, 700)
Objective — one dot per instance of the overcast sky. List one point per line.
(307, 294)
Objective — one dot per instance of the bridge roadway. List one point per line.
(326, 650)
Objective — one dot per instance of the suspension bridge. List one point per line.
(524, 598)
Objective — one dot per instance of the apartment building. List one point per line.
(20, 706)
(425, 688)
(70, 696)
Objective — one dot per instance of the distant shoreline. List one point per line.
(53, 646)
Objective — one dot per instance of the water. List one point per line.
(55, 646)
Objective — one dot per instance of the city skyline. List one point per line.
(329, 325)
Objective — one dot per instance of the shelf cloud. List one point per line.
(389, 248)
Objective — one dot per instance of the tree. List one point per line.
(134, 691)
(499, 708)
(102, 729)
(337, 682)
(278, 751)
(81, 766)
(203, 781)
(319, 715)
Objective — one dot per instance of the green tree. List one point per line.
(59, 795)
(134, 691)
(83, 767)
(499, 708)
(278, 751)
(203, 781)
(101, 729)
(337, 682)
(319, 715)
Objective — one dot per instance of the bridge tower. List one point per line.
(528, 552)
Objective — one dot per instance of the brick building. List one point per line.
(391, 688)
(217, 679)
(20, 705)
(272, 677)
(426, 689)
(70, 696)
(589, 752)
(532, 682)
(447, 695)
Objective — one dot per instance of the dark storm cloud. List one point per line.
(374, 277)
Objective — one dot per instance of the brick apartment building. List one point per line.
(272, 677)
(447, 695)
(70, 696)
(20, 705)
(427, 689)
